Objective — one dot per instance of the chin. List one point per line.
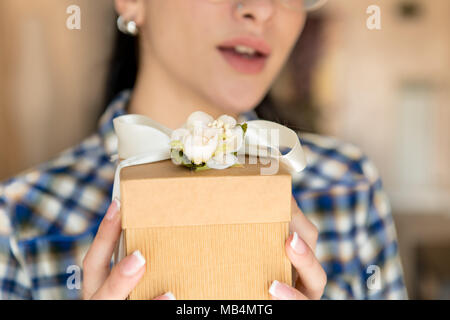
(240, 100)
(239, 104)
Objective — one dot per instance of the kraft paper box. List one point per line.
(213, 234)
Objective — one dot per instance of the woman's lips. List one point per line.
(243, 64)
(245, 55)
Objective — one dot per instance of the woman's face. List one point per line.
(196, 42)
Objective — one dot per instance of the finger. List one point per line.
(311, 276)
(281, 291)
(302, 225)
(123, 278)
(166, 296)
(96, 263)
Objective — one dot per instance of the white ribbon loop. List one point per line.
(260, 133)
(138, 135)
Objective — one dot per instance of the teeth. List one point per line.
(244, 50)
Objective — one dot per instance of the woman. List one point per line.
(218, 56)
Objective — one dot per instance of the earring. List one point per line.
(127, 27)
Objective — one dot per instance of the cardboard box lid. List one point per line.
(162, 194)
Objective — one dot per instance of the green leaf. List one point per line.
(244, 127)
(180, 159)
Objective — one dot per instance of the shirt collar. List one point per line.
(118, 107)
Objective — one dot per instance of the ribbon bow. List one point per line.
(142, 140)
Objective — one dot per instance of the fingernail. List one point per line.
(168, 296)
(297, 244)
(273, 288)
(133, 264)
(280, 290)
(117, 201)
(113, 210)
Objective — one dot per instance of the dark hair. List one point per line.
(124, 66)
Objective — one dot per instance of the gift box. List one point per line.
(212, 234)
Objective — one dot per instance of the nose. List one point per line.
(257, 11)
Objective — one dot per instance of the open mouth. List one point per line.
(243, 51)
(244, 59)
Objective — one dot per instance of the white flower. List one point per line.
(178, 136)
(201, 145)
(233, 139)
(228, 122)
(222, 161)
(198, 119)
(205, 140)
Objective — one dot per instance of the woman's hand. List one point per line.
(99, 280)
(300, 247)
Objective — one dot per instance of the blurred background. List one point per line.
(387, 91)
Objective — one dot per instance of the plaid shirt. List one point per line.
(49, 216)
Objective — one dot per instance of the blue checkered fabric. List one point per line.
(49, 216)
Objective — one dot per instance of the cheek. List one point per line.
(163, 24)
(285, 33)
(181, 35)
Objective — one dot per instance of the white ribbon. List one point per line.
(142, 140)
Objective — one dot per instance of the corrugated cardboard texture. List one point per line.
(211, 262)
(215, 234)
